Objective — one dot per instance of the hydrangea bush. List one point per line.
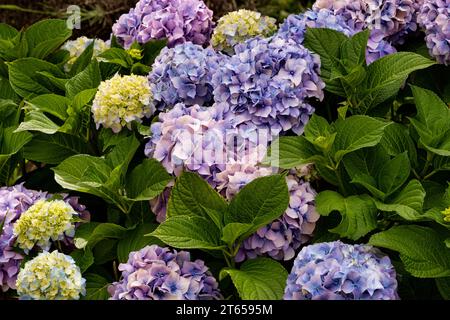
(216, 156)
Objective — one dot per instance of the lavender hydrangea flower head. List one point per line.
(155, 273)
(13, 201)
(353, 12)
(338, 271)
(238, 26)
(188, 138)
(284, 236)
(267, 83)
(183, 75)
(177, 20)
(434, 17)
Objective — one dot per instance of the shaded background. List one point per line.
(99, 15)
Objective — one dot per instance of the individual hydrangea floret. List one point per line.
(50, 276)
(434, 17)
(338, 271)
(183, 75)
(177, 20)
(42, 222)
(78, 46)
(121, 100)
(267, 83)
(155, 273)
(238, 26)
(281, 238)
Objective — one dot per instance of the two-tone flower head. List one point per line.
(50, 276)
(13, 202)
(183, 75)
(188, 138)
(121, 100)
(239, 26)
(295, 27)
(78, 46)
(267, 82)
(177, 20)
(155, 273)
(281, 238)
(338, 271)
(434, 17)
(43, 222)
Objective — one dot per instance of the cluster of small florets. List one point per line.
(177, 20)
(155, 273)
(338, 271)
(78, 46)
(121, 100)
(238, 26)
(50, 276)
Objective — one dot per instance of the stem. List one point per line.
(340, 183)
(428, 176)
(20, 9)
(427, 164)
(116, 275)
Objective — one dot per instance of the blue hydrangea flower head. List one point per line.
(155, 273)
(338, 271)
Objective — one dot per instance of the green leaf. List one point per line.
(54, 149)
(355, 133)
(191, 195)
(7, 31)
(135, 240)
(290, 152)
(37, 121)
(189, 232)
(105, 251)
(234, 231)
(147, 180)
(385, 76)
(26, 80)
(396, 140)
(358, 213)
(422, 250)
(46, 36)
(151, 50)
(394, 174)
(259, 202)
(319, 132)
(259, 279)
(83, 60)
(89, 234)
(443, 285)
(117, 56)
(83, 258)
(53, 104)
(89, 78)
(10, 144)
(354, 49)
(96, 287)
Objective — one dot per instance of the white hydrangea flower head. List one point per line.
(50, 276)
(42, 222)
(121, 100)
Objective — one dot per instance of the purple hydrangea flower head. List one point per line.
(284, 236)
(155, 273)
(295, 27)
(183, 75)
(338, 271)
(434, 17)
(353, 12)
(188, 138)
(177, 20)
(267, 82)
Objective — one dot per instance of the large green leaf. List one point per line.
(37, 121)
(10, 144)
(396, 139)
(96, 287)
(421, 249)
(135, 240)
(53, 104)
(89, 78)
(259, 279)
(394, 174)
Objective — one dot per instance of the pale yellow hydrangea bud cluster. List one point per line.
(238, 26)
(122, 100)
(50, 276)
(77, 47)
(42, 222)
(446, 214)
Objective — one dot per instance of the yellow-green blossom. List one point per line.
(446, 214)
(42, 222)
(238, 26)
(50, 276)
(77, 47)
(135, 53)
(121, 100)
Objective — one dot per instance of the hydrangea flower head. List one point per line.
(177, 20)
(42, 222)
(77, 47)
(183, 75)
(338, 271)
(267, 83)
(446, 214)
(122, 100)
(155, 273)
(50, 276)
(434, 17)
(238, 26)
